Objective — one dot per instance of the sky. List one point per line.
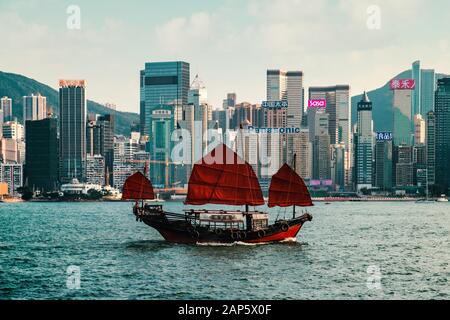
(229, 43)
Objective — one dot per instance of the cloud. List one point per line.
(180, 33)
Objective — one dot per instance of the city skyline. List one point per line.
(204, 33)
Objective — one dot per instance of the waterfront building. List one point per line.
(383, 164)
(41, 164)
(163, 122)
(404, 166)
(162, 83)
(431, 147)
(364, 145)
(100, 140)
(95, 169)
(338, 166)
(442, 112)
(72, 130)
(12, 174)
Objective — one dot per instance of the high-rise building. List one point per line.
(95, 169)
(339, 127)
(12, 174)
(364, 145)
(13, 130)
(72, 130)
(338, 166)
(431, 147)
(41, 164)
(230, 101)
(321, 157)
(403, 117)
(442, 112)
(162, 83)
(294, 89)
(419, 130)
(287, 86)
(34, 108)
(198, 95)
(417, 92)
(302, 148)
(93, 137)
(11, 150)
(128, 159)
(383, 164)
(428, 88)
(404, 166)
(163, 123)
(100, 140)
(6, 106)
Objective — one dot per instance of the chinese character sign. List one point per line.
(384, 136)
(274, 104)
(403, 84)
(317, 103)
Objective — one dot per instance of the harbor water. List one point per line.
(349, 251)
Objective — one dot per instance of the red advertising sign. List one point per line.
(403, 84)
(317, 103)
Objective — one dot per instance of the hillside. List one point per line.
(382, 103)
(16, 86)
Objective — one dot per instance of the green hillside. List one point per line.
(16, 86)
(382, 103)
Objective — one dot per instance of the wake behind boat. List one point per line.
(223, 178)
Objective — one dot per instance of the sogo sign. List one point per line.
(317, 103)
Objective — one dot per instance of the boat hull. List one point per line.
(183, 232)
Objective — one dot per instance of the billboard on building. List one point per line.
(275, 104)
(384, 136)
(403, 84)
(317, 103)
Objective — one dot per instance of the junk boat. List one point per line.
(223, 178)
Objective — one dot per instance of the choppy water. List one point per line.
(122, 259)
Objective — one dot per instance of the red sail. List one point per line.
(138, 187)
(287, 189)
(222, 177)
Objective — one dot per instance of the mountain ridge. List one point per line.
(15, 86)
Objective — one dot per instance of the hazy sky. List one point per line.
(229, 43)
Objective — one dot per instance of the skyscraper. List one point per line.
(419, 130)
(416, 94)
(72, 130)
(163, 123)
(34, 108)
(404, 167)
(428, 88)
(41, 164)
(282, 85)
(338, 107)
(403, 116)
(162, 83)
(383, 164)
(442, 111)
(294, 89)
(431, 147)
(6, 106)
(364, 145)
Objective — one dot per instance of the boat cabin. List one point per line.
(228, 220)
